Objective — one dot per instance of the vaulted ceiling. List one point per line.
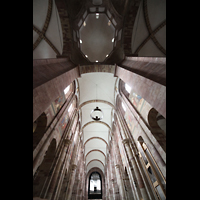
(96, 89)
(138, 28)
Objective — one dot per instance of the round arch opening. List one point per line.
(95, 186)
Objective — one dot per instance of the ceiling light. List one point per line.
(84, 24)
(97, 15)
(107, 55)
(96, 114)
(97, 61)
(113, 39)
(109, 23)
(86, 56)
(80, 41)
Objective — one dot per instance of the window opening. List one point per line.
(70, 107)
(128, 88)
(123, 106)
(95, 186)
(66, 89)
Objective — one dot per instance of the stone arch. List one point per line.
(44, 170)
(39, 128)
(95, 160)
(97, 68)
(100, 122)
(95, 169)
(156, 130)
(161, 121)
(95, 154)
(96, 100)
(95, 150)
(91, 194)
(140, 139)
(96, 138)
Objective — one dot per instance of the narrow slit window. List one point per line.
(66, 89)
(123, 106)
(128, 88)
(70, 107)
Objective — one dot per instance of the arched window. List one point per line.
(157, 128)
(60, 100)
(128, 88)
(67, 115)
(95, 186)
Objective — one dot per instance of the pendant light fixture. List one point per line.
(96, 114)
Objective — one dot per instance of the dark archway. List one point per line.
(44, 170)
(39, 128)
(156, 130)
(95, 186)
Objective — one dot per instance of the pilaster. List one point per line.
(71, 182)
(141, 192)
(120, 182)
(54, 179)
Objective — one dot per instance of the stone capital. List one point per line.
(67, 142)
(117, 166)
(126, 141)
(73, 167)
(136, 153)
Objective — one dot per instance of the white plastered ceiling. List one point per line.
(96, 134)
(53, 32)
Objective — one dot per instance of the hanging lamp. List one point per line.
(96, 114)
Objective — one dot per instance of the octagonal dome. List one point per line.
(97, 37)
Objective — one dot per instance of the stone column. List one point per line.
(120, 182)
(120, 133)
(114, 188)
(82, 177)
(78, 178)
(54, 180)
(141, 193)
(107, 177)
(38, 157)
(72, 173)
(111, 183)
(71, 182)
(118, 171)
(78, 175)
